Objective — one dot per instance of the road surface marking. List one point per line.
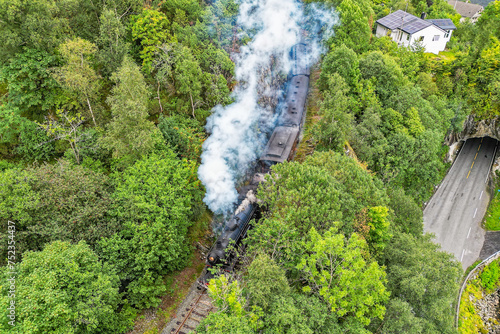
(463, 251)
(492, 161)
(469, 232)
(472, 165)
(482, 139)
(481, 195)
(475, 213)
(476, 155)
(468, 175)
(479, 147)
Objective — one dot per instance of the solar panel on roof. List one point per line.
(404, 21)
(445, 24)
(415, 25)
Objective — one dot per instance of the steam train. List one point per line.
(280, 147)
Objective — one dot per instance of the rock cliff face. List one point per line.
(474, 129)
(487, 308)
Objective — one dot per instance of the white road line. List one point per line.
(492, 161)
(470, 228)
(449, 170)
(475, 213)
(463, 251)
(481, 195)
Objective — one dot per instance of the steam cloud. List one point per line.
(236, 139)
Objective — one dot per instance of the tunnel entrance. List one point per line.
(456, 209)
(487, 143)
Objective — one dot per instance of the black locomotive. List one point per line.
(225, 249)
(279, 148)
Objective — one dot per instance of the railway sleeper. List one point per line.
(205, 303)
(196, 318)
(189, 327)
(201, 314)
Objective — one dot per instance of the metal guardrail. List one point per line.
(484, 263)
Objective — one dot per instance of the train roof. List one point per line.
(295, 101)
(280, 145)
(300, 55)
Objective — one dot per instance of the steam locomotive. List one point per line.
(280, 147)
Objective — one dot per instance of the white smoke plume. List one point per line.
(235, 138)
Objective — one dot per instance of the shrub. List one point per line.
(490, 277)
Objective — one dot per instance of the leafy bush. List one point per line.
(184, 136)
(4, 165)
(492, 220)
(55, 202)
(34, 144)
(153, 202)
(65, 289)
(490, 276)
(469, 321)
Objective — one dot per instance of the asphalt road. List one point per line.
(455, 212)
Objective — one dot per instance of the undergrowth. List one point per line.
(486, 283)
(469, 321)
(492, 220)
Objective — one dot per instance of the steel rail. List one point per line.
(189, 313)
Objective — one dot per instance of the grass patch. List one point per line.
(308, 144)
(492, 220)
(444, 56)
(472, 266)
(490, 277)
(447, 56)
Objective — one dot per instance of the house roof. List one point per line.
(465, 9)
(404, 21)
(445, 24)
(412, 24)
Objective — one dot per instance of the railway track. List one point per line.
(199, 308)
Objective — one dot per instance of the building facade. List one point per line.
(407, 30)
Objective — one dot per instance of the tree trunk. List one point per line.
(192, 104)
(91, 112)
(159, 101)
(75, 151)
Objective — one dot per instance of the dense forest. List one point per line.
(101, 128)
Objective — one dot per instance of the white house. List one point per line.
(406, 29)
(467, 10)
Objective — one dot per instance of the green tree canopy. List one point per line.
(336, 270)
(423, 278)
(65, 289)
(341, 60)
(31, 86)
(153, 200)
(129, 133)
(151, 30)
(77, 75)
(56, 202)
(385, 70)
(264, 281)
(111, 41)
